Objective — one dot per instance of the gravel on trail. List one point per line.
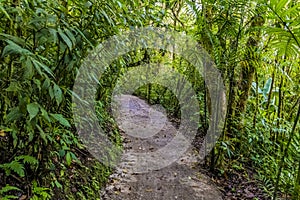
(179, 180)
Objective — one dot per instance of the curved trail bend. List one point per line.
(180, 180)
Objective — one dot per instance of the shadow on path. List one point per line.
(180, 180)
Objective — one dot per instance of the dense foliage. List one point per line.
(255, 45)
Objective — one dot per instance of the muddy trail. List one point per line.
(179, 180)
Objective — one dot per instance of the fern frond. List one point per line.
(8, 188)
(28, 159)
(17, 167)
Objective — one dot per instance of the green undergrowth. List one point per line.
(62, 169)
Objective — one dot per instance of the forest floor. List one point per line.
(183, 179)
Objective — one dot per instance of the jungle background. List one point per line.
(254, 44)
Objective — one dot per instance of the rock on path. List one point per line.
(179, 180)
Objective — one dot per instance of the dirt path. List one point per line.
(180, 180)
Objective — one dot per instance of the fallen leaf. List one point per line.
(23, 197)
(2, 133)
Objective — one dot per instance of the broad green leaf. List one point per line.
(62, 153)
(53, 34)
(28, 68)
(68, 158)
(60, 118)
(65, 38)
(57, 94)
(39, 65)
(15, 39)
(84, 37)
(45, 115)
(14, 114)
(13, 48)
(10, 49)
(256, 87)
(33, 109)
(46, 84)
(57, 184)
(74, 157)
(51, 92)
(71, 36)
(267, 87)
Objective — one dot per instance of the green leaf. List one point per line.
(71, 36)
(14, 114)
(29, 71)
(38, 65)
(65, 38)
(84, 37)
(46, 84)
(42, 133)
(38, 83)
(15, 39)
(74, 157)
(28, 159)
(279, 5)
(51, 92)
(33, 109)
(68, 158)
(53, 35)
(45, 115)
(13, 48)
(8, 188)
(62, 153)
(15, 138)
(255, 86)
(5, 13)
(267, 87)
(57, 184)
(31, 135)
(17, 167)
(61, 119)
(13, 87)
(57, 94)
(7, 197)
